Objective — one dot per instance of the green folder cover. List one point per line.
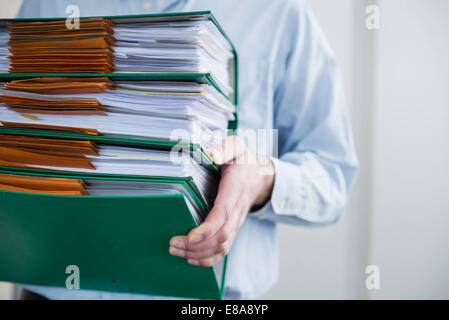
(119, 243)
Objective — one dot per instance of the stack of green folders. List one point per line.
(103, 132)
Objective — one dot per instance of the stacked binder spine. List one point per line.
(88, 116)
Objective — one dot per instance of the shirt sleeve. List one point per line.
(317, 160)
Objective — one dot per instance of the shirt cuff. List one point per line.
(287, 198)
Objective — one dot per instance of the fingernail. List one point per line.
(176, 252)
(194, 262)
(178, 244)
(196, 238)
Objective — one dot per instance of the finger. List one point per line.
(226, 151)
(177, 252)
(204, 249)
(220, 243)
(220, 222)
(221, 249)
(225, 234)
(179, 247)
(207, 262)
(179, 242)
(228, 197)
(203, 245)
(213, 222)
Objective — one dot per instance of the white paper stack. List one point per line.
(135, 188)
(173, 47)
(177, 111)
(4, 53)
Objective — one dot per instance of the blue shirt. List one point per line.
(288, 80)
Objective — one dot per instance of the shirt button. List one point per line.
(147, 5)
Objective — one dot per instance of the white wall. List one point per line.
(397, 82)
(410, 226)
(9, 8)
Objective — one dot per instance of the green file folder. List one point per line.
(119, 243)
(196, 151)
(201, 78)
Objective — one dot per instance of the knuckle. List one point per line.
(224, 248)
(206, 229)
(206, 232)
(207, 262)
(225, 235)
(193, 254)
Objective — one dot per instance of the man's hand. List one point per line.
(246, 182)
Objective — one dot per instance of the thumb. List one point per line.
(213, 222)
